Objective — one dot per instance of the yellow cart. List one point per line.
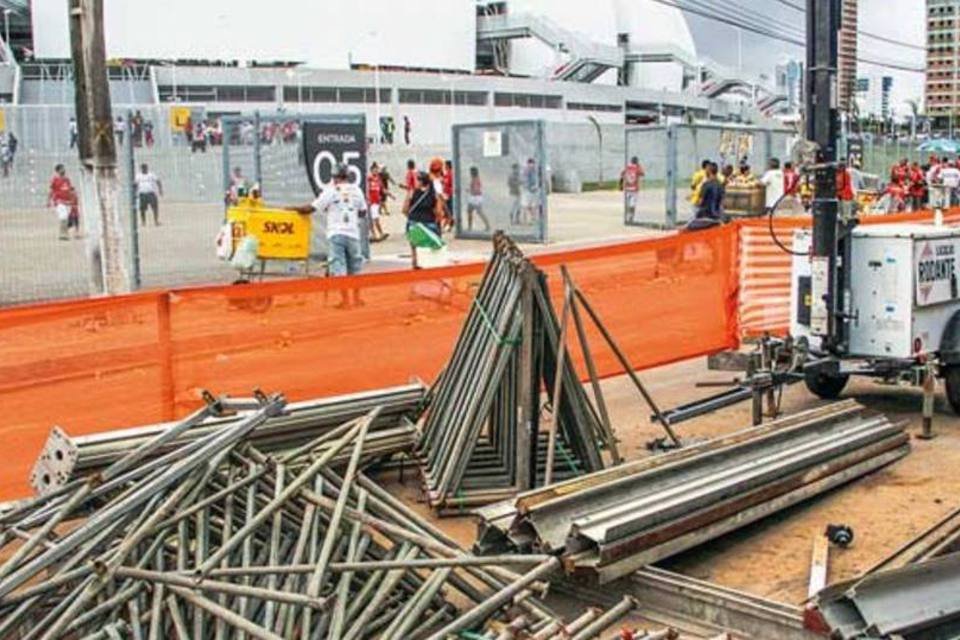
(280, 234)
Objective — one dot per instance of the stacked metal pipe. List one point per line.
(611, 523)
(481, 436)
(217, 539)
(64, 458)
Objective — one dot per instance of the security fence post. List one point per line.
(257, 166)
(135, 275)
(671, 176)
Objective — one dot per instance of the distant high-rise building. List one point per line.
(789, 82)
(885, 91)
(943, 57)
(848, 53)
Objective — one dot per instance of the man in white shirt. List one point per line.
(950, 176)
(338, 210)
(149, 190)
(773, 181)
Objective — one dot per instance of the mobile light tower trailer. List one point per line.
(869, 300)
(874, 300)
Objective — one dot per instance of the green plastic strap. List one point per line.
(458, 496)
(492, 329)
(566, 456)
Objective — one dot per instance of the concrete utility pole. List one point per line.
(99, 182)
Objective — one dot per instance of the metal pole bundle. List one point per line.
(66, 458)
(610, 523)
(481, 438)
(217, 539)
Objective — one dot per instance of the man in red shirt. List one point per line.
(630, 179)
(448, 188)
(410, 181)
(900, 173)
(918, 187)
(63, 198)
(791, 179)
(374, 200)
(845, 191)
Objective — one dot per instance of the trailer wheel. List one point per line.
(951, 379)
(829, 387)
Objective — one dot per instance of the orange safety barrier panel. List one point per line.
(93, 365)
(765, 268)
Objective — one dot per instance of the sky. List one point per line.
(900, 20)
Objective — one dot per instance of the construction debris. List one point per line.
(217, 539)
(915, 602)
(819, 565)
(65, 458)
(482, 439)
(611, 523)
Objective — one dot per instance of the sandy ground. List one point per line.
(772, 558)
(179, 252)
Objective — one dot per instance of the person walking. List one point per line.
(374, 202)
(630, 179)
(149, 192)
(475, 201)
(386, 184)
(410, 179)
(62, 197)
(513, 188)
(423, 206)
(774, 181)
(6, 155)
(530, 196)
(74, 133)
(119, 129)
(407, 130)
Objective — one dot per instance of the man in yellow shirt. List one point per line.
(696, 182)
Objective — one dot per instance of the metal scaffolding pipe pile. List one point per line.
(611, 523)
(219, 539)
(65, 458)
(481, 435)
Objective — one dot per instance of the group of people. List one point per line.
(345, 216)
(141, 131)
(709, 185)
(913, 186)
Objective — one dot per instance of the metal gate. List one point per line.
(671, 155)
(500, 180)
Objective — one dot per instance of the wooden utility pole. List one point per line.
(99, 181)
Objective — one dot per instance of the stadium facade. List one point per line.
(428, 63)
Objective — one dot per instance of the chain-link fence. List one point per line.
(501, 180)
(670, 156)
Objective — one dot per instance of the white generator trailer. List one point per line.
(901, 310)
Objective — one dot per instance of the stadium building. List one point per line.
(429, 64)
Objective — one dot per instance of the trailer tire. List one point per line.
(826, 386)
(951, 380)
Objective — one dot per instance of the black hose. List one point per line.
(773, 234)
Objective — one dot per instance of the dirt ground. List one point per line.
(772, 558)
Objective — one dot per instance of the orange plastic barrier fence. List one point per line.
(93, 365)
(765, 268)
